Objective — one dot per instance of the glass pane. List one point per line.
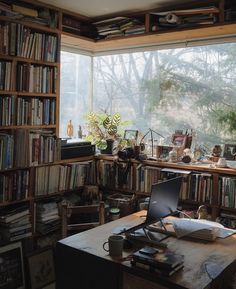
(167, 90)
(75, 92)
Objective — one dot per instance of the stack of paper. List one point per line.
(200, 229)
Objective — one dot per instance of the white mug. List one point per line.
(115, 245)
(222, 163)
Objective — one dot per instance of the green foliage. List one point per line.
(228, 119)
(102, 126)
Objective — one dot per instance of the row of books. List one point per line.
(5, 75)
(34, 78)
(47, 217)
(15, 224)
(57, 178)
(34, 147)
(227, 189)
(195, 187)
(14, 186)
(115, 175)
(35, 111)
(6, 150)
(18, 40)
(119, 26)
(7, 107)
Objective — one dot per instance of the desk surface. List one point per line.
(203, 262)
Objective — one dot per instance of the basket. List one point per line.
(126, 203)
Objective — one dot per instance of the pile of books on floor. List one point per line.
(47, 217)
(163, 262)
(15, 224)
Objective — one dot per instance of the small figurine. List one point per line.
(202, 212)
(216, 151)
(70, 129)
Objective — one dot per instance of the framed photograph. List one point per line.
(41, 269)
(11, 267)
(131, 135)
(179, 139)
(229, 151)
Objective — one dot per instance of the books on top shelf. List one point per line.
(164, 262)
(119, 26)
(42, 16)
(186, 18)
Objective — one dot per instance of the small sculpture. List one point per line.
(70, 129)
(216, 151)
(202, 212)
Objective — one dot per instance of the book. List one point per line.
(13, 215)
(163, 259)
(150, 268)
(25, 10)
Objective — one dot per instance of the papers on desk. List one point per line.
(200, 229)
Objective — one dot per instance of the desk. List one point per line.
(81, 262)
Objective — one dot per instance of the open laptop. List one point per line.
(163, 202)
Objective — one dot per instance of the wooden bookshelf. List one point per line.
(214, 196)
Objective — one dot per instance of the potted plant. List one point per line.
(103, 130)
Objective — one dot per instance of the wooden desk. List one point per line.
(81, 262)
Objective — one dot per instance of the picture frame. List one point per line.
(131, 135)
(12, 267)
(229, 151)
(179, 139)
(41, 268)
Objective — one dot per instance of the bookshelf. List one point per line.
(29, 100)
(202, 184)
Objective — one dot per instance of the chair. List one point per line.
(87, 211)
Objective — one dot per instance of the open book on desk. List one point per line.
(194, 228)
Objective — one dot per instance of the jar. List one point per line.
(114, 213)
(173, 157)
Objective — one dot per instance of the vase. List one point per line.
(109, 148)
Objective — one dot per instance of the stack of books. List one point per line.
(15, 224)
(162, 262)
(47, 217)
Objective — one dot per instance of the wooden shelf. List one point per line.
(32, 25)
(27, 126)
(14, 202)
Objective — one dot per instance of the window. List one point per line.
(165, 90)
(75, 91)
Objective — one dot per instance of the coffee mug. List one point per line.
(115, 245)
(222, 163)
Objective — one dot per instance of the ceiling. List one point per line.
(96, 8)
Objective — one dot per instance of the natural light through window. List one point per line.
(181, 88)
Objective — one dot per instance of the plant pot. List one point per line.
(109, 149)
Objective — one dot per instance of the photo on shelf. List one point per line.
(11, 267)
(229, 151)
(41, 269)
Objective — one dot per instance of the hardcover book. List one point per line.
(160, 271)
(166, 259)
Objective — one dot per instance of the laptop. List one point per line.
(163, 202)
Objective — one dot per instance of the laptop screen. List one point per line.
(164, 199)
